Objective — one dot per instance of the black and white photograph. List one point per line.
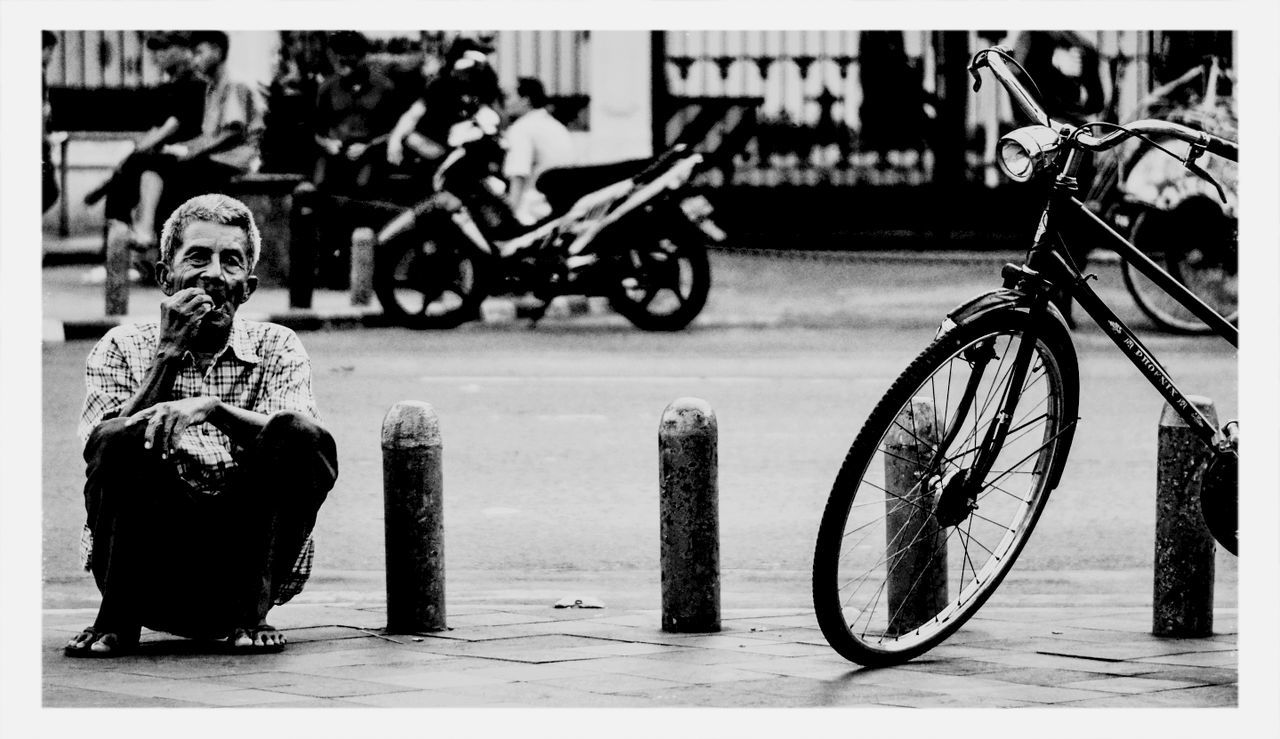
(690, 356)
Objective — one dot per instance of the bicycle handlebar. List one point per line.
(994, 59)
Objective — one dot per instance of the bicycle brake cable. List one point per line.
(1190, 163)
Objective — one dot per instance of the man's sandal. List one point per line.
(97, 644)
(249, 640)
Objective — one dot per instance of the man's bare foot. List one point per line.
(95, 642)
(261, 638)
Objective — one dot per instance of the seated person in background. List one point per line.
(134, 191)
(454, 90)
(224, 145)
(206, 461)
(536, 142)
(353, 114)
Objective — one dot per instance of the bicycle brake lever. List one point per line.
(977, 78)
(1199, 171)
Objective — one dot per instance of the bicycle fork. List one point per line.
(957, 488)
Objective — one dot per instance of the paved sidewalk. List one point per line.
(537, 656)
(511, 648)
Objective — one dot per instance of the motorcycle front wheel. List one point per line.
(424, 283)
(663, 283)
(1196, 244)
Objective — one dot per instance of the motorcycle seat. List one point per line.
(563, 186)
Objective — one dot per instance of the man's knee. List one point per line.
(297, 428)
(114, 438)
(299, 436)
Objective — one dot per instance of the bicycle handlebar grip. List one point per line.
(1019, 94)
(1224, 148)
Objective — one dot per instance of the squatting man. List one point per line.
(206, 461)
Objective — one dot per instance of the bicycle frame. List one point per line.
(1047, 258)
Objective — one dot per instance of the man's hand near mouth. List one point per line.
(180, 317)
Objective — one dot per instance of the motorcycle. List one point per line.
(626, 231)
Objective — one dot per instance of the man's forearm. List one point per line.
(157, 384)
(156, 136)
(243, 426)
(226, 140)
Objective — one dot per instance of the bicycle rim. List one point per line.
(892, 580)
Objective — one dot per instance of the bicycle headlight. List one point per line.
(1026, 152)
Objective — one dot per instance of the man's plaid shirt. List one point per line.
(263, 369)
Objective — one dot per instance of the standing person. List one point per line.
(206, 462)
(536, 142)
(892, 110)
(133, 198)
(354, 113)
(1065, 67)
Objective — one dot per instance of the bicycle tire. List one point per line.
(866, 632)
(1209, 272)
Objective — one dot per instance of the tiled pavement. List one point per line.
(521, 655)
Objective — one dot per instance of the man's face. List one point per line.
(215, 258)
(207, 57)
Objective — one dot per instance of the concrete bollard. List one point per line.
(362, 243)
(915, 548)
(1184, 550)
(413, 503)
(118, 261)
(302, 246)
(689, 517)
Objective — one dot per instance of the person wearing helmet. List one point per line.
(456, 90)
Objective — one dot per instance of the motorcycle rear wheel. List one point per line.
(663, 283)
(423, 283)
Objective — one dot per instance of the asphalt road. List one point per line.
(550, 437)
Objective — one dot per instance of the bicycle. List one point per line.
(949, 474)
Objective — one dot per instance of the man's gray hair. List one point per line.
(213, 208)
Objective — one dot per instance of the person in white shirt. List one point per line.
(536, 142)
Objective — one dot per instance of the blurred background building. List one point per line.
(840, 130)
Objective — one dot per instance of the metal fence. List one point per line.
(118, 59)
(811, 84)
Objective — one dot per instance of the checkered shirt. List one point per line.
(263, 369)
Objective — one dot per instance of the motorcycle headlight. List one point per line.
(1028, 151)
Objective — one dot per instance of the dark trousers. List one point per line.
(182, 180)
(192, 564)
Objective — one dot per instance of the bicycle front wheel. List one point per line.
(909, 546)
